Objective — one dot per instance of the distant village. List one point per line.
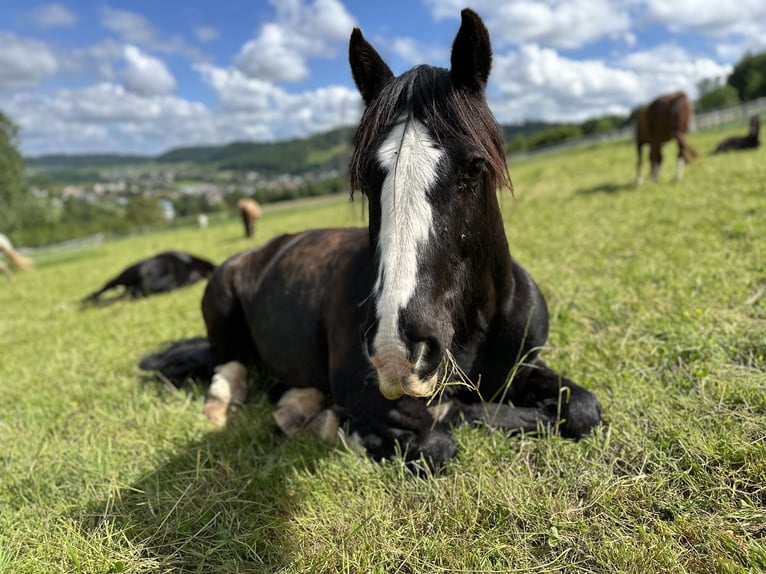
(173, 186)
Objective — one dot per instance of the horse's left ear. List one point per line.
(369, 70)
(471, 53)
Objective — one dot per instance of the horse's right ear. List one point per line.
(369, 70)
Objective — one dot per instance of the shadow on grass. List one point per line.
(222, 504)
(607, 188)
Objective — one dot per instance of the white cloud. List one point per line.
(135, 29)
(301, 31)
(206, 33)
(564, 24)
(145, 75)
(52, 16)
(539, 83)
(131, 27)
(275, 55)
(284, 114)
(24, 63)
(710, 17)
(414, 53)
(106, 117)
(737, 27)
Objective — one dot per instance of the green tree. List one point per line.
(12, 190)
(715, 95)
(555, 135)
(144, 211)
(749, 77)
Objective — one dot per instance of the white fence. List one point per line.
(740, 112)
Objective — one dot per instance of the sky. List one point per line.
(139, 76)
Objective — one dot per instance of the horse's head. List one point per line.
(429, 155)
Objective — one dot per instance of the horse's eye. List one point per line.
(475, 168)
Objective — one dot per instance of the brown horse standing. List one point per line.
(250, 210)
(16, 258)
(667, 117)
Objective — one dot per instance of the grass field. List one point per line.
(658, 304)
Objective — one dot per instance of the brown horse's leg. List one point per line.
(640, 152)
(247, 223)
(655, 157)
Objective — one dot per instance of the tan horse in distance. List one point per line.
(665, 118)
(250, 211)
(16, 258)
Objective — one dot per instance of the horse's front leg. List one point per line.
(228, 391)
(384, 427)
(639, 161)
(576, 410)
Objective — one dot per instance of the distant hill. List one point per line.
(84, 161)
(329, 150)
(325, 151)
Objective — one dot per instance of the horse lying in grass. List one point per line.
(158, 274)
(16, 258)
(737, 143)
(665, 118)
(383, 319)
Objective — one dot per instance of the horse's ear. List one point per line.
(471, 53)
(369, 70)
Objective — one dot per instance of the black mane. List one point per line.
(428, 94)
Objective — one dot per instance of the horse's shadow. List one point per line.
(222, 503)
(607, 188)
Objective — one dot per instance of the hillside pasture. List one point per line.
(657, 297)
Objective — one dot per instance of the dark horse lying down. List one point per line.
(376, 318)
(750, 141)
(163, 272)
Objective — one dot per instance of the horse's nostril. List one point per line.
(426, 356)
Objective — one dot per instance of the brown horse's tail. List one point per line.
(14, 256)
(687, 150)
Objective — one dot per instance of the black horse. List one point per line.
(750, 141)
(163, 272)
(381, 319)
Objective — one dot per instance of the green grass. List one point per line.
(658, 304)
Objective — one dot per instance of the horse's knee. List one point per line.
(581, 414)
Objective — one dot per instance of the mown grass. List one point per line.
(658, 304)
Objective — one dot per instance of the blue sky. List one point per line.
(144, 76)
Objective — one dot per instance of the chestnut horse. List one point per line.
(16, 258)
(250, 211)
(381, 320)
(665, 118)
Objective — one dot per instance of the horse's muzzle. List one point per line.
(397, 376)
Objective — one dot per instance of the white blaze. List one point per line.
(411, 159)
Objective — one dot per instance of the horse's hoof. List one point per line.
(216, 411)
(325, 426)
(289, 420)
